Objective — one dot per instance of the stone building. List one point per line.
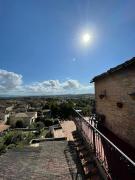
(27, 118)
(115, 100)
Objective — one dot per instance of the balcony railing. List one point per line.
(114, 161)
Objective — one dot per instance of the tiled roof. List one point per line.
(27, 114)
(51, 160)
(3, 127)
(21, 115)
(124, 65)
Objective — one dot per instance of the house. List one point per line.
(31, 115)
(27, 118)
(115, 100)
(20, 107)
(9, 109)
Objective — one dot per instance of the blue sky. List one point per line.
(40, 47)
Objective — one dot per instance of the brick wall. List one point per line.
(121, 121)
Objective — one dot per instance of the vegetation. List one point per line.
(14, 139)
(65, 109)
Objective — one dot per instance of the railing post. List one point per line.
(94, 139)
(94, 143)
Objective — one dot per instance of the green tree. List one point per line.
(40, 125)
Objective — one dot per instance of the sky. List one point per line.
(41, 47)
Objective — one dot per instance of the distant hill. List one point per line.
(65, 96)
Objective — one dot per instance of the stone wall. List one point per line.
(113, 91)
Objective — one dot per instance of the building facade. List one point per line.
(115, 100)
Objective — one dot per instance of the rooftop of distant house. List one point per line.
(10, 108)
(3, 127)
(26, 114)
(122, 66)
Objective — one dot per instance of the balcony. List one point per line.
(111, 159)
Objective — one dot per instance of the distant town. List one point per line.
(38, 112)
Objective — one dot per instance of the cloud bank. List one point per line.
(12, 84)
(9, 80)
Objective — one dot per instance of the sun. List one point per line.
(86, 38)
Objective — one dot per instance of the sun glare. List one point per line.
(86, 38)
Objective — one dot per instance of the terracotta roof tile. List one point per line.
(124, 65)
(3, 127)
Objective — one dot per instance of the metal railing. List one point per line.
(107, 153)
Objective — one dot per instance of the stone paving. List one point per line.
(51, 160)
(58, 133)
(68, 128)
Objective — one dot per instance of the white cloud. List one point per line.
(9, 80)
(57, 87)
(11, 83)
(44, 87)
(71, 84)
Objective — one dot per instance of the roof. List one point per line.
(21, 115)
(49, 160)
(122, 66)
(31, 114)
(46, 110)
(27, 114)
(10, 108)
(3, 127)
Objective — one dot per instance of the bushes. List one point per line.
(11, 146)
(64, 110)
(29, 136)
(15, 138)
(9, 141)
(12, 137)
(2, 146)
(39, 125)
(48, 122)
(55, 122)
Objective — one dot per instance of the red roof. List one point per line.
(3, 127)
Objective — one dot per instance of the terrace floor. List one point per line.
(68, 129)
(50, 160)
